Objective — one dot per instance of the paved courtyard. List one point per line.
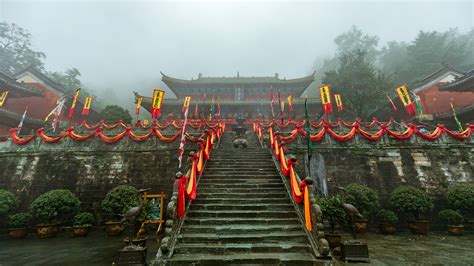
(98, 249)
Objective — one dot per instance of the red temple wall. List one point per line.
(38, 106)
(434, 101)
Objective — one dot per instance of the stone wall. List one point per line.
(89, 168)
(432, 166)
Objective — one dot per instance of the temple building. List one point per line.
(33, 89)
(249, 96)
(435, 99)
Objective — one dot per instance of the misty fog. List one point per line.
(123, 45)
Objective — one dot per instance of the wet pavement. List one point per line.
(95, 249)
(99, 249)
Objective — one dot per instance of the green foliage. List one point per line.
(16, 51)
(363, 198)
(411, 200)
(19, 220)
(461, 197)
(451, 217)
(8, 202)
(387, 216)
(112, 113)
(362, 85)
(119, 200)
(83, 219)
(333, 212)
(69, 79)
(355, 39)
(55, 206)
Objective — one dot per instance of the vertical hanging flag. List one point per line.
(183, 137)
(307, 128)
(211, 114)
(74, 101)
(273, 101)
(419, 111)
(281, 107)
(404, 96)
(139, 104)
(87, 105)
(393, 104)
(290, 103)
(219, 106)
(458, 123)
(56, 111)
(21, 121)
(3, 98)
(186, 102)
(196, 110)
(337, 99)
(325, 94)
(157, 101)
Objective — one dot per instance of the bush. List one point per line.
(411, 200)
(461, 197)
(54, 206)
(83, 219)
(111, 114)
(363, 198)
(8, 203)
(387, 217)
(451, 217)
(19, 220)
(119, 200)
(333, 212)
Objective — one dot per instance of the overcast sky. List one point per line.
(125, 44)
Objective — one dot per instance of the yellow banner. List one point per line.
(76, 96)
(139, 103)
(282, 106)
(87, 104)
(157, 98)
(337, 98)
(187, 101)
(403, 94)
(3, 98)
(325, 94)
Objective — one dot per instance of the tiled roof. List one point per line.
(15, 88)
(464, 83)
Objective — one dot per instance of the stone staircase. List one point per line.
(242, 214)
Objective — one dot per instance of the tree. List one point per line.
(15, 49)
(360, 84)
(409, 62)
(113, 113)
(69, 79)
(349, 41)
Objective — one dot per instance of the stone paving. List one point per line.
(98, 249)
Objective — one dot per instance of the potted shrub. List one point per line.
(8, 204)
(18, 225)
(81, 223)
(461, 198)
(117, 202)
(365, 200)
(334, 214)
(454, 220)
(417, 203)
(387, 221)
(51, 208)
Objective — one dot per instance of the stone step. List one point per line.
(243, 195)
(233, 176)
(264, 190)
(236, 201)
(242, 160)
(241, 220)
(253, 206)
(249, 168)
(245, 248)
(240, 164)
(241, 213)
(225, 185)
(290, 258)
(241, 228)
(240, 180)
(273, 237)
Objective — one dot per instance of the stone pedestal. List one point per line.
(132, 255)
(354, 250)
